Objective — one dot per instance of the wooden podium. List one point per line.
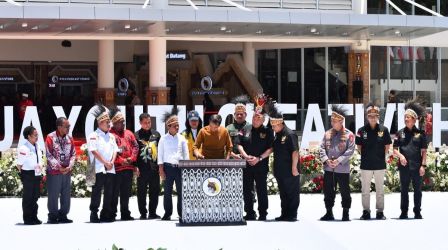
(212, 192)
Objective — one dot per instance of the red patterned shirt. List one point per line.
(60, 152)
(128, 148)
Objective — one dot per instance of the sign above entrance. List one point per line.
(70, 79)
(177, 55)
(7, 78)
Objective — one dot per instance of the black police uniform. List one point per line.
(255, 142)
(410, 142)
(285, 143)
(149, 175)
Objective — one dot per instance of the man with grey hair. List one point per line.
(60, 151)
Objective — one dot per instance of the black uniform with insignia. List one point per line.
(373, 142)
(285, 143)
(410, 142)
(255, 142)
(149, 172)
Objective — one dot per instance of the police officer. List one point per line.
(337, 146)
(255, 146)
(149, 178)
(286, 160)
(239, 126)
(410, 146)
(373, 141)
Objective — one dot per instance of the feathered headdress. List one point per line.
(115, 114)
(170, 118)
(240, 103)
(259, 102)
(338, 112)
(100, 112)
(372, 109)
(270, 108)
(414, 109)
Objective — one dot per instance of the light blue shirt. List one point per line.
(105, 145)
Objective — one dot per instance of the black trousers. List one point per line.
(406, 175)
(149, 180)
(331, 179)
(173, 175)
(259, 176)
(122, 189)
(31, 193)
(103, 182)
(289, 187)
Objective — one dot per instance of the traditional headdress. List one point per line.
(240, 103)
(414, 109)
(171, 117)
(372, 110)
(274, 115)
(259, 102)
(115, 114)
(338, 112)
(100, 112)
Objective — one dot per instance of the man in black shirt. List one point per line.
(286, 159)
(373, 141)
(255, 146)
(147, 139)
(410, 146)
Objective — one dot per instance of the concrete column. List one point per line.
(157, 93)
(106, 60)
(360, 6)
(249, 56)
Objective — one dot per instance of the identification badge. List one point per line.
(37, 171)
(364, 135)
(62, 157)
(262, 135)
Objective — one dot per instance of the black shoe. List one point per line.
(94, 218)
(403, 216)
(153, 216)
(365, 215)
(328, 216)
(65, 220)
(290, 219)
(380, 216)
(52, 221)
(250, 217)
(281, 218)
(33, 222)
(180, 220)
(107, 220)
(345, 215)
(127, 218)
(166, 217)
(143, 217)
(418, 216)
(262, 217)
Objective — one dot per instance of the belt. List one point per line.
(171, 165)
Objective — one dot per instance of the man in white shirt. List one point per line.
(172, 148)
(103, 150)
